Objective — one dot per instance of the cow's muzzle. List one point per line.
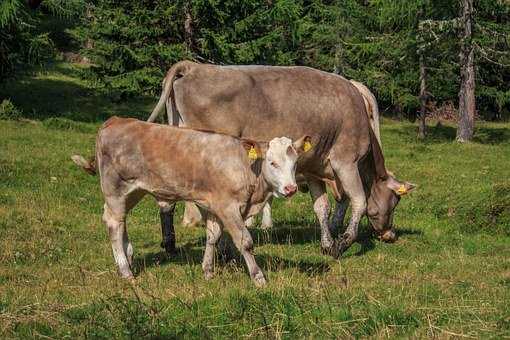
(289, 190)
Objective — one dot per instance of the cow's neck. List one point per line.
(260, 191)
(373, 168)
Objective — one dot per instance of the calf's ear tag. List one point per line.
(307, 146)
(252, 154)
(402, 190)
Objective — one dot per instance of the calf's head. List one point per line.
(381, 203)
(279, 161)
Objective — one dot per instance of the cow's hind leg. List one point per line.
(192, 215)
(213, 228)
(115, 211)
(166, 214)
(321, 208)
(267, 219)
(347, 174)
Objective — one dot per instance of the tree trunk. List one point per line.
(188, 28)
(423, 98)
(467, 105)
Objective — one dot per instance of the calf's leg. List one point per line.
(213, 229)
(234, 225)
(115, 218)
(115, 210)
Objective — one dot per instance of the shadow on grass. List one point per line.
(192, 252)
(293, 232)
(187, 255)
(446, 133)
(59, 92)
(285, 234)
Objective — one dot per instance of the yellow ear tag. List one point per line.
(252, 154)
(307, 146)
(402, 190)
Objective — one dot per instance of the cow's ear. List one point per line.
(400, 188)
(253, 150)
(303, 144)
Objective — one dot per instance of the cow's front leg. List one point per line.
(349, 178)
(234, 225)
(213, 229)
(166, 213)
(321, 208)
(337, 221)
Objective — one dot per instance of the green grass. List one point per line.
(448, 275)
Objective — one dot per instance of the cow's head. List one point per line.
(381, 203)
(279, 161)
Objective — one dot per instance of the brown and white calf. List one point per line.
(229, 178)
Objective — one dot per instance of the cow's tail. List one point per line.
(173, 73)
(374, 108)
(88, 165)
(371, 107)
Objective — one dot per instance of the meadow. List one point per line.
(447, 276)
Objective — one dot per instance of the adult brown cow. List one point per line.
(262, 102)
(192, 214)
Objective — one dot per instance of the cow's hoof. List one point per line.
(341, 246)
(259, 279)
(334, 251)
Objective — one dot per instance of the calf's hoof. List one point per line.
(259, 279)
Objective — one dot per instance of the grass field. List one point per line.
(448, 275)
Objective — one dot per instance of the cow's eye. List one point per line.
(274, 165)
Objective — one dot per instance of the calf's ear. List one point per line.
(253, 149)
(400, 188)
(303, 144)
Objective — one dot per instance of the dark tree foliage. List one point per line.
(378, 42)
(24, 36)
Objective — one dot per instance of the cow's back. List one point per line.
(164, 159)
